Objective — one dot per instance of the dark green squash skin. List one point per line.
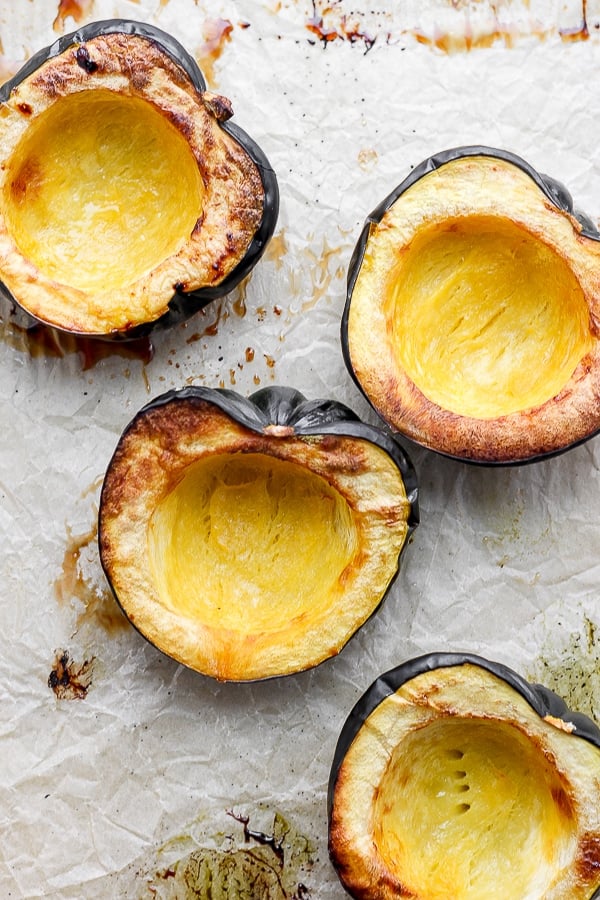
(285, 406)
(556, 192)
(183, 304)
(541, 699)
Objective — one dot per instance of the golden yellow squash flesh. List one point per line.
(454, 778)
(251, 537)
(465, 806)
(127, 199)
(486, 320)
(471, 320)
(247, 543)
(97, 177)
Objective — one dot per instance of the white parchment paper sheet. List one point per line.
(99, 795)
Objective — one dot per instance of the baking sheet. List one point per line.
(116, 762)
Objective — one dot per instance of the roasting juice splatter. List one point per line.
(42, 341)
(573, 670)
(269, 866)
(473, 26)
(98, 606)
(78, 10)
(216, 34)
(70, 680)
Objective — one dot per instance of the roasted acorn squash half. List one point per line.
(251, 537)
(456, 779)
(127, 198)
(471, 321)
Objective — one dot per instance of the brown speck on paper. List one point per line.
(70, 680)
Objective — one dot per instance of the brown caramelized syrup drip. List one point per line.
(216, 33)
(40, 340)
(346, 31)
(71, 583)
(329, 28)
(239, 302)
(259, 836)
(219, 309)
(213, 327)
(99, 608)
(458, 43)
(75, 9)
(581, 33)
(277, 249)
(315, 25)
(70, 680)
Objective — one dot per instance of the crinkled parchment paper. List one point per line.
(122, 774)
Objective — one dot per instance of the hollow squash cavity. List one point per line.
(485, 319)
(465, 807)
(101, 189)
(251, 543)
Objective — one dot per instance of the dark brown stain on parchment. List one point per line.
(347, 29)
(70, 680)
(216, 33)
(335, 22)
(43, 341)
(99, 608)
(77, 10)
